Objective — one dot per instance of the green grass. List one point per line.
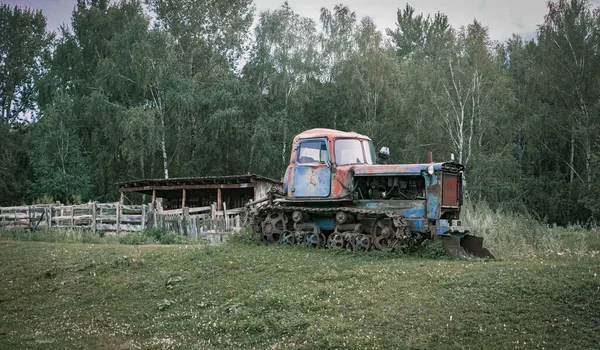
(243, 296)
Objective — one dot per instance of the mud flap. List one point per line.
(466, 245)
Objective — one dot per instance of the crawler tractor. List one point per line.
(338, 193)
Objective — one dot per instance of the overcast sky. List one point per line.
(502, 17)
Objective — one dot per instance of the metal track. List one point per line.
(397, 219)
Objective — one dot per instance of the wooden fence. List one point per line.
(117, 218)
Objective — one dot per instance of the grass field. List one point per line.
(243, 296)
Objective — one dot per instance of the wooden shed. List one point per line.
(191, 192)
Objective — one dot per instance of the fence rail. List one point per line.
(117, 218)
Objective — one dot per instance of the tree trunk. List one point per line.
(572, 156)
(163, 145)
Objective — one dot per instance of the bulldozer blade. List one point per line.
(465, 246)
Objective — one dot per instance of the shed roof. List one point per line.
(229, 181)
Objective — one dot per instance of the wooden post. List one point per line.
(154, 201)
(143, 217)
(180, 224)
(118, 218)
(94, 217)
(213, 211)
(154, 216)
(183, 198)
(186, 220)
(219, 205)
(159, 205)
(73, 217)
(122, 200)
(225, 216)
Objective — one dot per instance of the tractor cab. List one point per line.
(320, 163)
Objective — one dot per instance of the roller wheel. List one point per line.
(336, 241)
(361, 243)
(287, 238)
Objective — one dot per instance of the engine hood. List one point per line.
(402, 169)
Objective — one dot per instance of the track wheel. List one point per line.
(361, 243)
(382, 233)
(336, 240)
(287, 238)
(315, 240)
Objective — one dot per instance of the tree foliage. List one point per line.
(195, 90)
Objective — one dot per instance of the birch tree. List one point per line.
(283, 58)
(568, 39)
(468, 90)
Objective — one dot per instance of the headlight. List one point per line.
(430, 170)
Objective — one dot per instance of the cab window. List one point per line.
(313, 152)
(348, 151)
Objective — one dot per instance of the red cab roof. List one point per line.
(330, 134)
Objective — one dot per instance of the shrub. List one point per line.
(244, 236)
(135, 239)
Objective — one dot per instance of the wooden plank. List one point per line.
(93, 223)
(118, 218)
(192, 210)
(11, 209)
(122, 218)
(15, 215)
(225, 215)
(236, 211)
(132, 207)
(122, 228)
(108, 205)
(82, 206)
(143, 217)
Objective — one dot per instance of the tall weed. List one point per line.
(518, 235)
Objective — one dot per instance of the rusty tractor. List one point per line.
(338, 193)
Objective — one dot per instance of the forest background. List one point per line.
(197, 90)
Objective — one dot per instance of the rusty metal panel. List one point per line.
(311, 181)
(450, 190)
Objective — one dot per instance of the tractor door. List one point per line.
(312, 173)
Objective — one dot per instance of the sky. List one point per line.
(502, 17)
